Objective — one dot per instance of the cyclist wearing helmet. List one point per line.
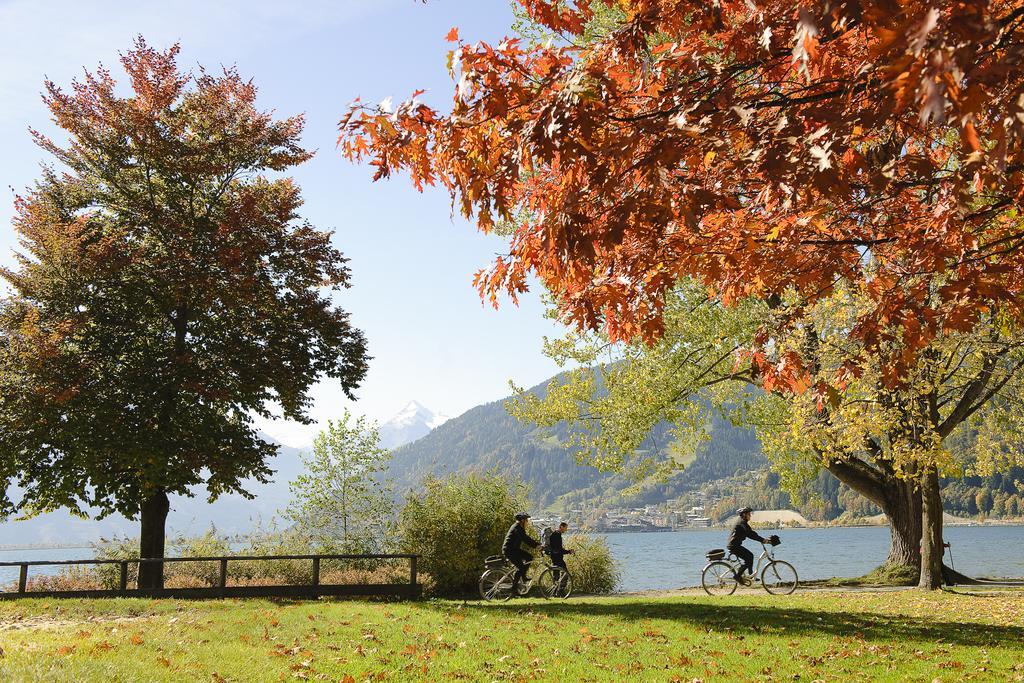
(740, 533)
(512, 547)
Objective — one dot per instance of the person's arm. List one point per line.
(754, 535)
(530, 540)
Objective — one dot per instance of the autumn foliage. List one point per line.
(762, 148)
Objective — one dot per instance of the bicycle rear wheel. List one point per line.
(555, 583)
(718, 578)
(496, 584)
(779, 577)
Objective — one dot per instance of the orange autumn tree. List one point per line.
(166, 291)
(757, 147)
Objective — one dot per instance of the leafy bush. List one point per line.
(456, 523)
(592, 566)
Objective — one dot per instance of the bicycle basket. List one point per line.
(494, 561)
(774, 540)
(716, 554)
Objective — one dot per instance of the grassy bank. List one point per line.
(807, 636)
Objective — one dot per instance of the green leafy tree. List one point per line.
(888, 444)
(167, 291)
(339, 501)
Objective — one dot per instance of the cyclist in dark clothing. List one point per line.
(740, 533)
(512, 546)
(557, 549)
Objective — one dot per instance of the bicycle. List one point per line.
(719, 576)
(498, 580)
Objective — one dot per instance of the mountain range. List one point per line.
(728, 468)
(488, 439)
(230, 514)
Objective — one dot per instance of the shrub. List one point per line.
(592, 566)
(457, 522)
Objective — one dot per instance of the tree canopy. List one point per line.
(166, 291)
(756, 147)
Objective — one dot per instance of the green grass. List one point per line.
(809, 636)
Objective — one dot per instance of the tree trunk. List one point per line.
(901, 503)
(151, 539)
(931, 536)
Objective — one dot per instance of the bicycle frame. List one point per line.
(766, 556)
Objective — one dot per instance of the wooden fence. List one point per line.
(314, 589)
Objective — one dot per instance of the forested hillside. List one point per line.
(729, 469)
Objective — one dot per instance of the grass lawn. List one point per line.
(808, 636)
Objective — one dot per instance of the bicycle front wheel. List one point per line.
(718, 578)
(779, 577)
(555, 583)
(496, 584)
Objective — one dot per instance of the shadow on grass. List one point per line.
(778, 620)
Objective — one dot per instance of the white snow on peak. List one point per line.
(412, 412)
(412, 422)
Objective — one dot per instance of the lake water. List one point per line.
(665, 560)
(672, 559)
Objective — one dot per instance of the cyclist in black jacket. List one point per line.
(556, 547)
(740, 533)
(512, 546)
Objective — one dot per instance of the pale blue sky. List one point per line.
(412, 262)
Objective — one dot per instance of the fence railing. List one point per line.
(315, 588)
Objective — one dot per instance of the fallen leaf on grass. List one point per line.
(137, 639)
(164, 661)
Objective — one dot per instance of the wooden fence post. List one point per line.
(316, 572)
(412, 569)
(23, 578)
(223, 581)
(123, 583)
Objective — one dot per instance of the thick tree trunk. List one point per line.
(151, 539)
(931, 536)
(901, 503)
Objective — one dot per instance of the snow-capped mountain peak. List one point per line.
(410, 423)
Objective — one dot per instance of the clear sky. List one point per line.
(412, 261)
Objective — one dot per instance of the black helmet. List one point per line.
(520, 516)
(745, 510)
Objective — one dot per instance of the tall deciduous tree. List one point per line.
(882, 442)
(757, 147)
(339, 501)
(167, 289)
(754, 146)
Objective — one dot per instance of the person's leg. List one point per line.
(519, 560)
(746, 557)
(559, 562)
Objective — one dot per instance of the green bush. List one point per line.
(592, 566)
(456, 523)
